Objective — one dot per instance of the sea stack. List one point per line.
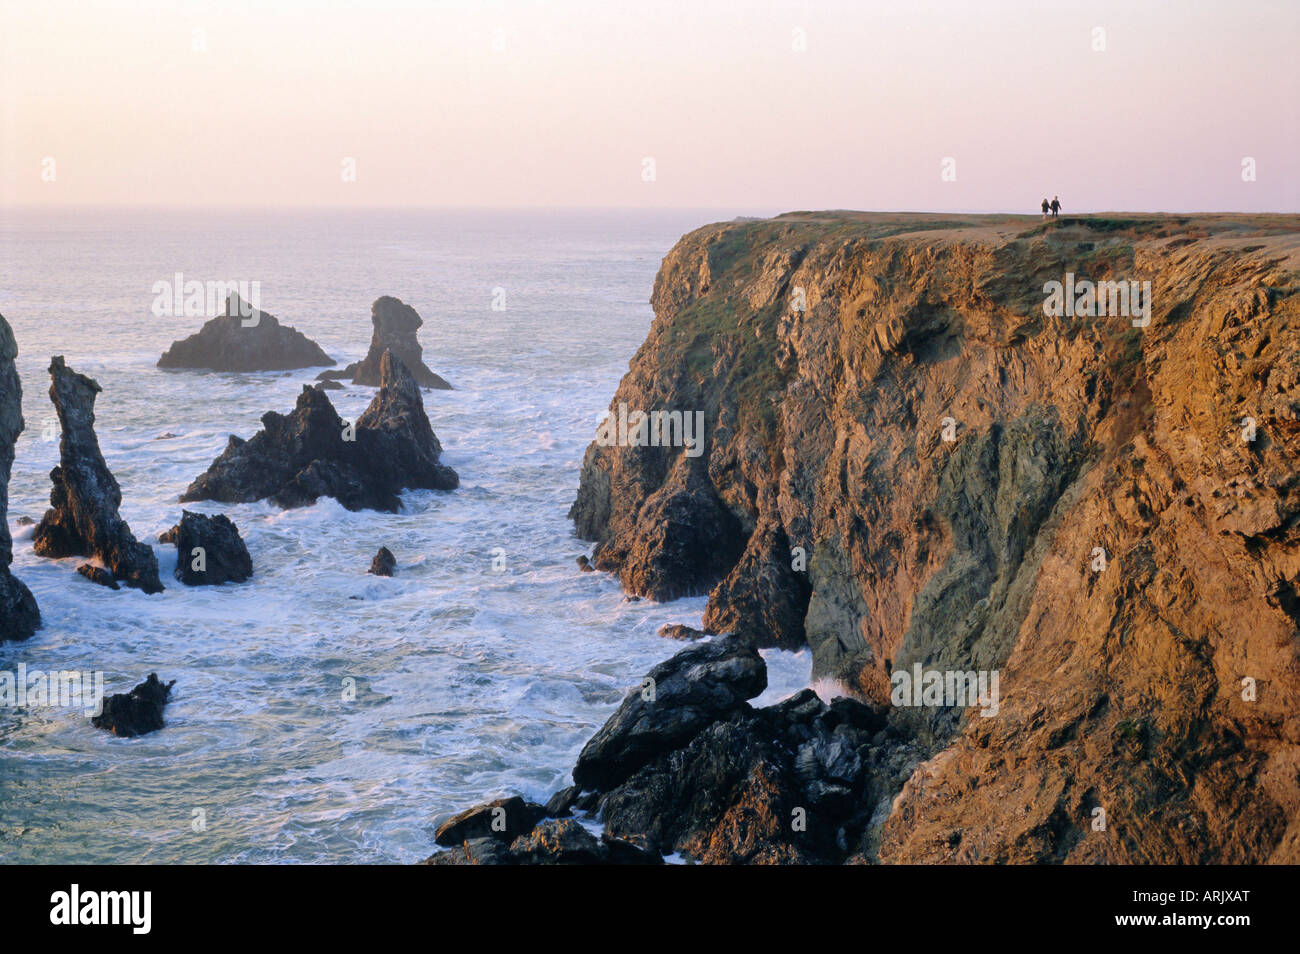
(308, 454)
(245, 339)
(83, 518)
(19, 615)
(209, 550)
(395, 326)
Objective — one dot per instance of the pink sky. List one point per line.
(560, 104)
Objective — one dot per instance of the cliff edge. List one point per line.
(1060, 454)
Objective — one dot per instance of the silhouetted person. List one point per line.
(1046, 208)
(1056, 207)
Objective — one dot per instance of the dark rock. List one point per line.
(474, 851)
(679, 698)
(299, 458)
(209, 551)
(136, 712)
(558, 841)
(504, 819)
(19, 615)
(329, 385)
(232, 342)
(169, 536)
(25, 521)
(384, 562)
(584, 565)
(629, 850)
(762, 601)
(395, 326)
(97, 574)
(679, 631)
(559, 804)
(83, 518)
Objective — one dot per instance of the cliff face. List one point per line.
(906, 461)
(19, 615)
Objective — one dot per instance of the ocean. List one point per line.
(471, 680)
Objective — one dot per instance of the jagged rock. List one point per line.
(949, 458)
(503, 818)
(395, 326)
(384, 563)
(97, 574)
(329, 385)
(584, 565)
(559, 804)
(558, 841)
(209, 550)
(299, 458)
(83, 518)
(679, 697)
(19, 614)
(232, 342)
(680, 631)
(25, 521)
(136, 712)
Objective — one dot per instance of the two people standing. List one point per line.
(1054, 207)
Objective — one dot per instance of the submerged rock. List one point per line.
(309, 454)
(395, 326)
(19, 614)
(245, 339)
(97, 574)
(384, 563)
(83, 518)
(136, 712)
(209, 550)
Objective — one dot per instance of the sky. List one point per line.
(772, 104)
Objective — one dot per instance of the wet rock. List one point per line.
(680, 631)
(395, 326)
(83, 518)
(135, 712)
(558, 841)
(560, 804)
(25, 521)
(245, 339)
(384, 563)
(474, 851)
(19, 615)
(309, 454)
(329, 385)
(629, 850)
(97, 574)
(584, 565)
(209, 551)
(504, 819)
(678, 699)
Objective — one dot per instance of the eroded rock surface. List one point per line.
(245, 339)
(298, 458)
(83, 518)
(19, 615)
(908, 462)
(395, 326)
(209, 550)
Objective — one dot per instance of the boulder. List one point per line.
(395, 326)
(19, 615)
(680, 631)
(83, 518)
(97, 574)
(245, 339)
(700, 685)
(558, 841)
(136, 712)
(384, 563)
(298, 458)
(209, 551)
(503, 818)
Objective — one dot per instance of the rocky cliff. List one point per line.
(19, 615)
(917, 451)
